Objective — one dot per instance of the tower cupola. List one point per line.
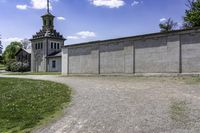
(48, 19)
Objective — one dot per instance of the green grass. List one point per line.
(2, 67)
(35, 73)
(25, 104)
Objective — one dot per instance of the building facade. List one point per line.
(46, 46)
(24, 55)
(170, 52)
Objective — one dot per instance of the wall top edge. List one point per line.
(138, 37)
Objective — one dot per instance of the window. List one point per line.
(38, 45)
(51, 45)
(45, 23)
(58, 46)
(41, 45)
(54, 64)
(50, 23)
(54, 45)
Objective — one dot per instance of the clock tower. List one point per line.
(46, 46)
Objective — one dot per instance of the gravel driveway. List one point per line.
(128, 105)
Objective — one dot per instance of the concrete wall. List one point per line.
(172, 52)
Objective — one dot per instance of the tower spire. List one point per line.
(47, 6)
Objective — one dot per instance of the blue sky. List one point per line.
(87, 20)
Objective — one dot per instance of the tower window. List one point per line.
(54, 45)
(54, 64)
(58, 46)
(41, 45)
(51, 45)
(50, 23)
(36, 47)
(45, 22)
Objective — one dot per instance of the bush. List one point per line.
(18, 67)
(8, 65)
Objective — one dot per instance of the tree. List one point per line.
(168, 25)
(10, 51)
(192, 15)
(1, 46)
(25, 44)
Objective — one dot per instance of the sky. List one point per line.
(87, 20)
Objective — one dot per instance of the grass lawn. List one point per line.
(25, 104)
(35, 73)
(2, 67)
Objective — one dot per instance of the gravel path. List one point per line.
(128, 105)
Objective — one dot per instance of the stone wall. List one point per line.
(171, 52)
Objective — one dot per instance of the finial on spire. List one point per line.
(47, 6)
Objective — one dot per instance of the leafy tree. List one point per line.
(25, 44)
(1, 46)
(10, 51)
(168, 25)
(192, 15)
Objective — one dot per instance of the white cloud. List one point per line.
(39, 4)
(86, 34)
(163, 19)
(136, 2)
(21, 7)
(60, 18)
(36, 4)
(73, 37)
(7, 41)
(108, 3)
(82, 35)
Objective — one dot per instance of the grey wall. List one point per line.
(39, 61)
(173, 52)
(58, 64)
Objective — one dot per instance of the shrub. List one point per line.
(18, 67)
(8, 65)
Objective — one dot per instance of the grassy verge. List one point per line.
(25, 104)
(2, 67)
(35, 73)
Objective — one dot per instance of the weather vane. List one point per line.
(47, 6)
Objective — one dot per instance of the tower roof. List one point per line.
(48, 27)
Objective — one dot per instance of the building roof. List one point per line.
(52, 34)
(55, 54)
(26, 50)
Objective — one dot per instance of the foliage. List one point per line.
(2, 67)
(168, 25)
(8, 65)
(26, 44)
(25, 104)
(35, 73)
(10, 51)
(18, 67)
(1, 59)
(1, 46)
(192, 15)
